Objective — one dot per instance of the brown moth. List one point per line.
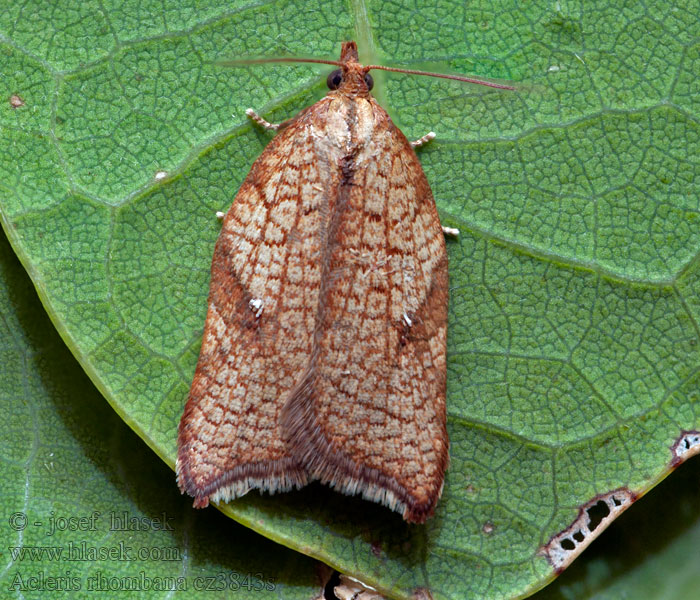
(323, 355)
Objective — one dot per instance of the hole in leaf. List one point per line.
(563, 547)
(567, 544)
(596, 514)
(690, 441)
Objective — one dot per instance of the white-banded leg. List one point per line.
(424, 140)
(450, 231)
(260, 121)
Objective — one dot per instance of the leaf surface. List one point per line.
(573, 338)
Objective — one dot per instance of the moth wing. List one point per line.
(259, 328)
(369, 416)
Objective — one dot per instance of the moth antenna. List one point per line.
(337, 63)
(493, 84)
(284, 59)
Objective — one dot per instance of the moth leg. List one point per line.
(450, 231)
(262, 122)
(424, 140)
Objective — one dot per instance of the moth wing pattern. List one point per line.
(369, 416)
(324, 350)
(258, 336)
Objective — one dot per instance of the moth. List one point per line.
(323, 355)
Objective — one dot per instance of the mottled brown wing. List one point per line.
(369, 416)
(259, 331)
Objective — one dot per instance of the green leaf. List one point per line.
(573, 338)
(85, 507)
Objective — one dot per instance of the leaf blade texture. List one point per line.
(572, 332)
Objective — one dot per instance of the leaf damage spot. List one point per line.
(687, 445)
(16, 101)
(593, 518)
(488, 528)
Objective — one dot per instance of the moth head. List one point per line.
(344, 76)
(351, 77)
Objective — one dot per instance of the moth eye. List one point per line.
(369, 81)
(334, 79)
